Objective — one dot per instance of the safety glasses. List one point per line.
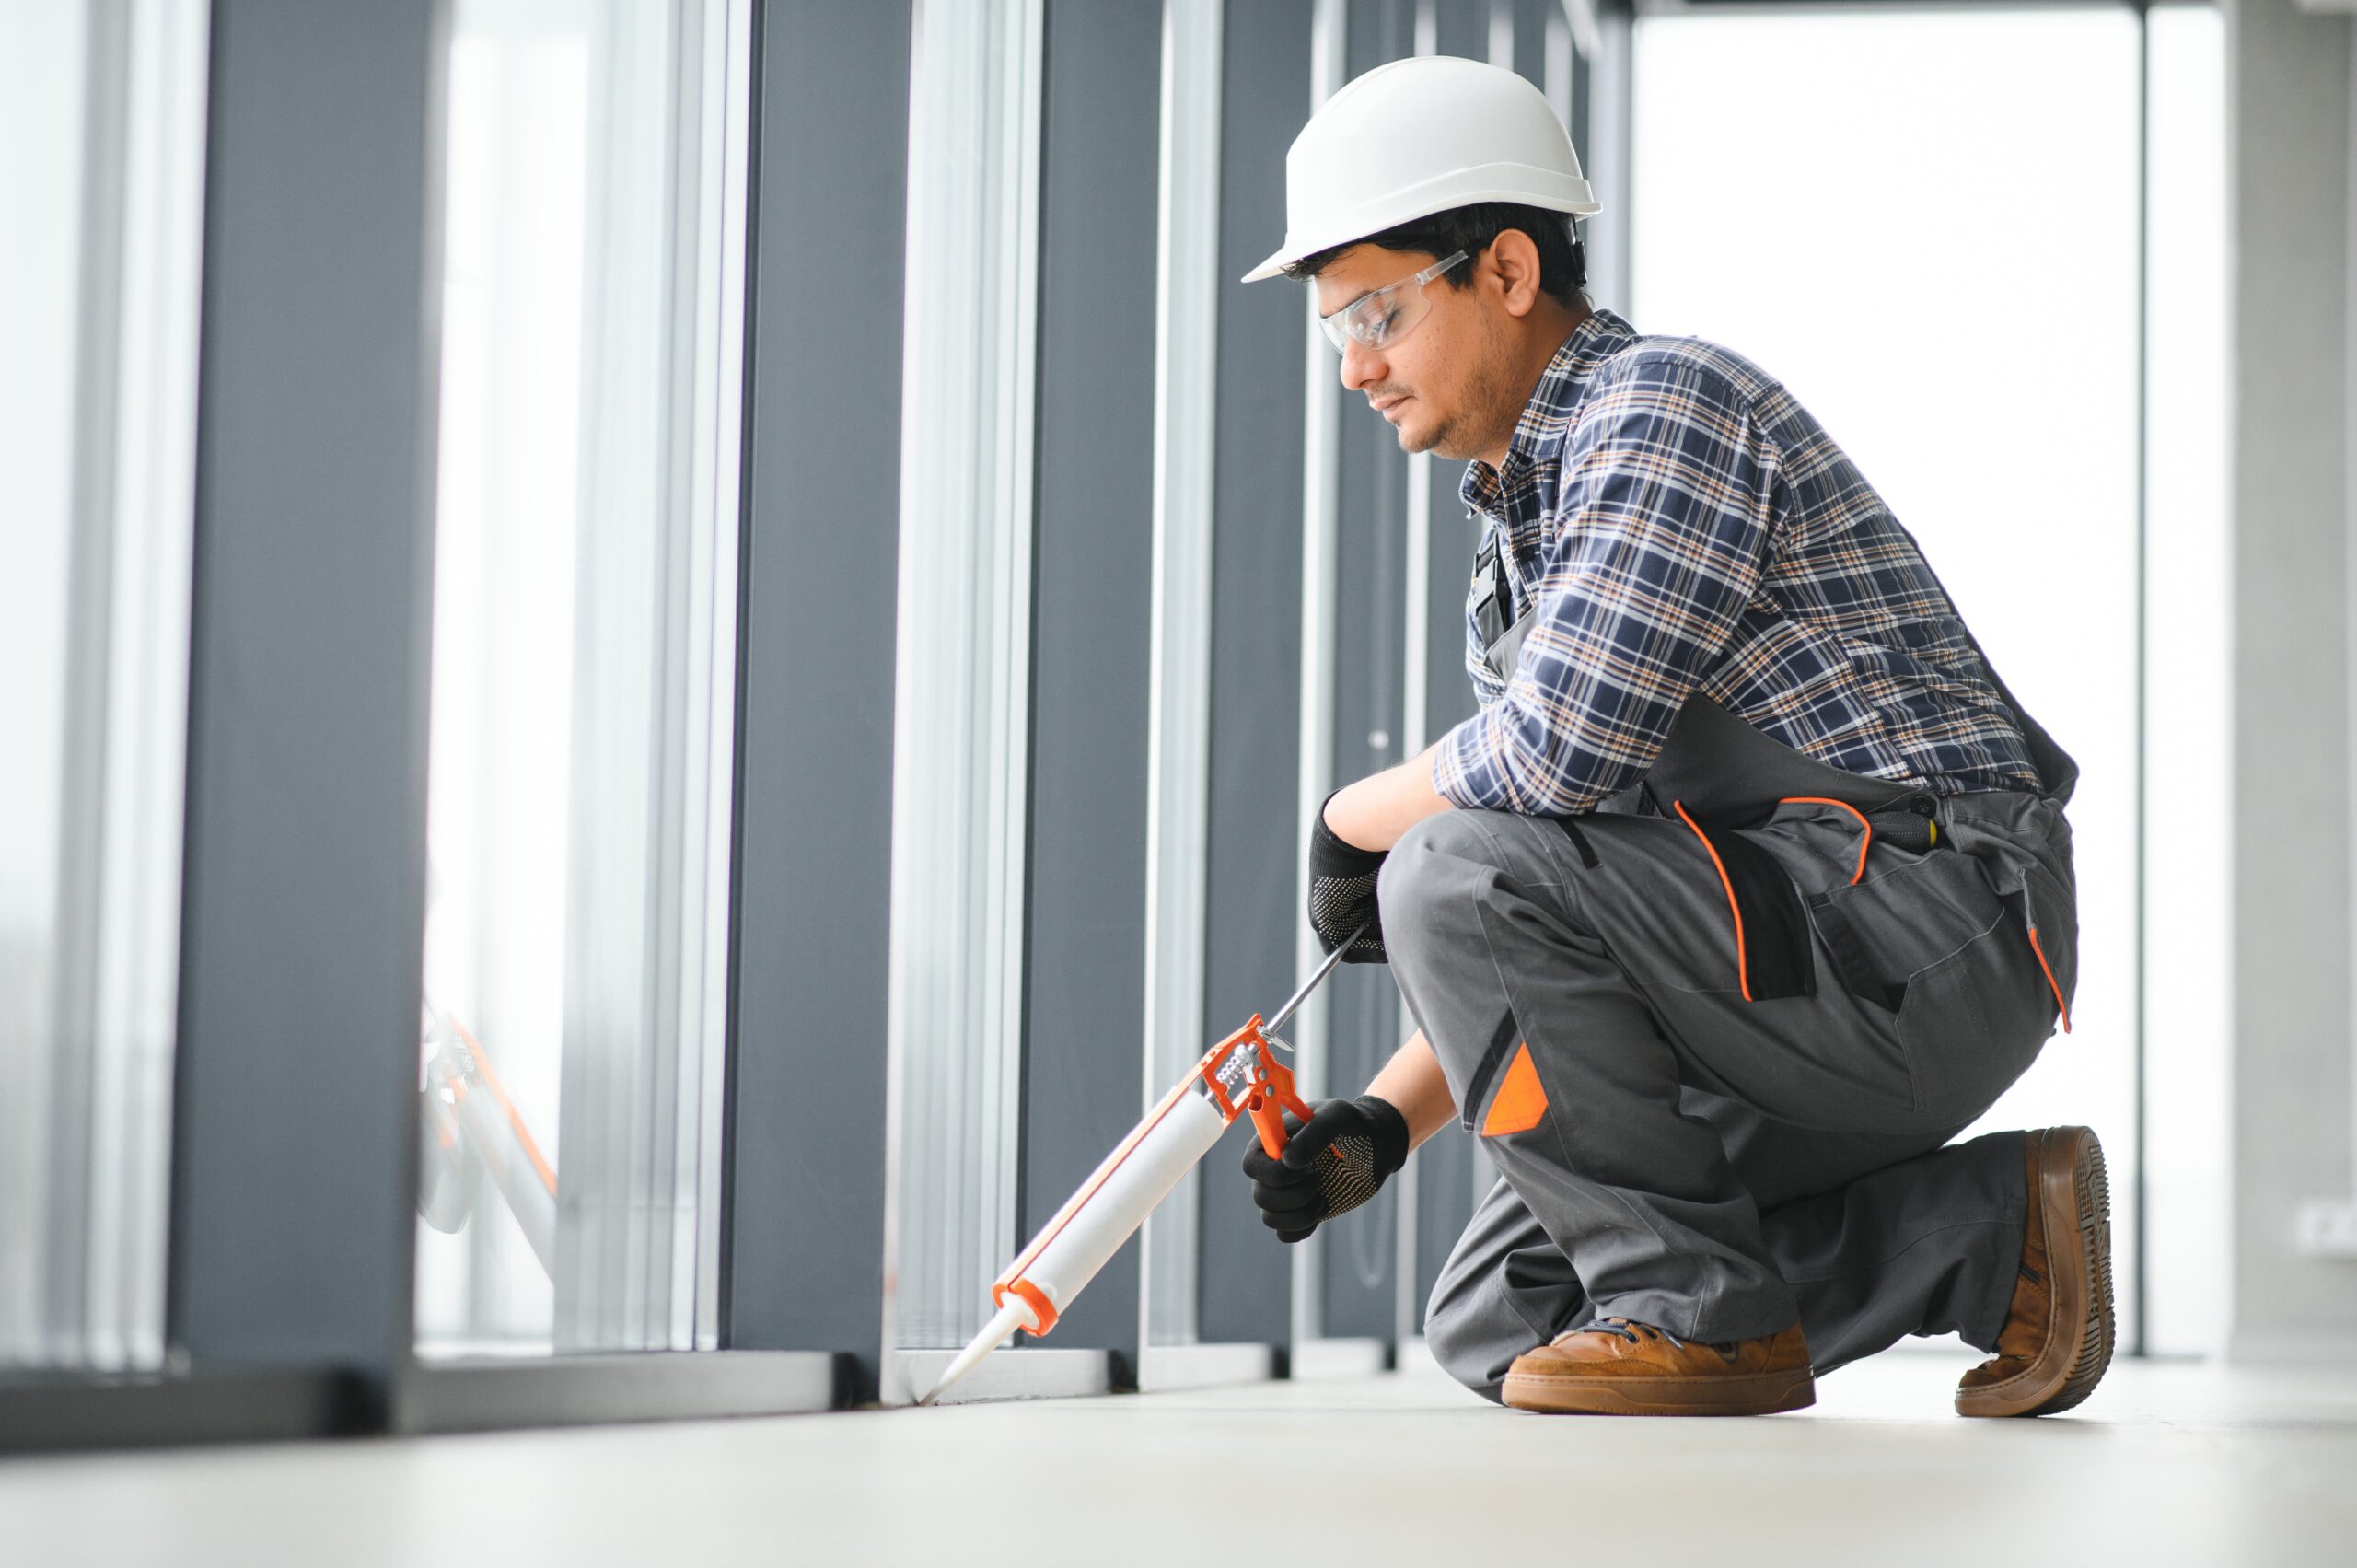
(1382, 317)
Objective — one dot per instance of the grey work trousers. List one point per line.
(1719, 1166)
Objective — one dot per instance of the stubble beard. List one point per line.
(1493, 408)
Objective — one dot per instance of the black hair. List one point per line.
(1562, 260)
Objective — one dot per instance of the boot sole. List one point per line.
(1747, 1393)
(2074, 1194)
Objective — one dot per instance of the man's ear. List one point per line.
(1513, 259)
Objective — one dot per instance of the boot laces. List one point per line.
(1629, 1328)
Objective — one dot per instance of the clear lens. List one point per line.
(1383, 316)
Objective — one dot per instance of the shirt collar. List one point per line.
(1599, 336)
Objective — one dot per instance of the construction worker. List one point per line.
(1748, 888)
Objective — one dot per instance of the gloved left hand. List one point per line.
(1368, 1140)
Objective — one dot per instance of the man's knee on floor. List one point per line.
(1476, 1323)
(1465, 1349)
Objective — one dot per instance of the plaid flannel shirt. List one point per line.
(1683, 525)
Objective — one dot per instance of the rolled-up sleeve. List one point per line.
(1667, 520)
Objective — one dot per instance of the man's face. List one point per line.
(1442, 386)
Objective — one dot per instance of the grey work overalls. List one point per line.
(1721, 1134)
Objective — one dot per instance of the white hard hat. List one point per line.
(1417, 137)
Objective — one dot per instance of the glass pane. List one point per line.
(2188, 1027)
(101, 138)
(958, 750)
(1186, 390)
(584, 638)
(1940, 261)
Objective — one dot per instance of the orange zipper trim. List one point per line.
(2065, 1006)
(1742, 972)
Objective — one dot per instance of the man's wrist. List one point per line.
(1390, 1133)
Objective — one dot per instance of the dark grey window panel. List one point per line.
(1445, 1189)
(42, 1415)
(1256, 641)
(1370, 623)
(1530, 18)
(302, 914)
(1461, 27)
(802, 1261)
(1092, 609)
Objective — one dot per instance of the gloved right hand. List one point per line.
(1342, 893)
(1334, 1162)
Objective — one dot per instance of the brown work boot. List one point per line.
(1619, 1367)
(2057, 1338)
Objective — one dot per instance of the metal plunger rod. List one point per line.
(1294, 1003)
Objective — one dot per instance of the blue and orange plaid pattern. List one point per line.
(1684, 523)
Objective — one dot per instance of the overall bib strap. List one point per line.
(1492, 605)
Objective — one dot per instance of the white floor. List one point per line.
(2166, 1463)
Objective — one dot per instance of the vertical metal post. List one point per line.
(1416, 723)
(1605, 157)
(1373, 498)
(1092, 613)
(1255, 637)
(303, 909)
(1320, 476)
(1179, 711)
(803, 1207)
(2141, 1277)
(961, 724)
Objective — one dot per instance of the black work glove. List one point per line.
(1342, 893)
(1368, 1138)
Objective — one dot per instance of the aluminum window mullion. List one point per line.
(154, 495)
(1415, 679)
(732, 164)
(1179, 735)
(1321, 478)
(653, 665)
(962, 682)
(96, 1298)
(616, 704)
(1608, 155)
(72, 1205)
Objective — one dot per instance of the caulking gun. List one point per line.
(1239, 1076)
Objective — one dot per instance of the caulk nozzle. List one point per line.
(995, 1333)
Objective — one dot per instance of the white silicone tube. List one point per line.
(1133, 1178)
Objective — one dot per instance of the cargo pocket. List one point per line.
(1973, 1023)
(1881, 935)
(1768, 926)
(1955, 977)
(2051, 917)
